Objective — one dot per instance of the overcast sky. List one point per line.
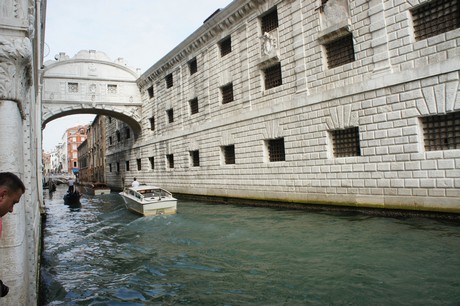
(139, 31)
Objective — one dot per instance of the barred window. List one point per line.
(269, 21)
(195, 158)
(128, 133)
(150, 92)
(152, 162)
(225, 46)
(441, 132)
(192, 66)
(72, 87)
(170, 114)
(340, 51)
(228, 153)
(169, 80)
(127, 165)
(227, 93)
(139, 164)
(170, 160)
(118, 136)
(152, 123)
(272, 76)
(346, 142)
(118, 166)
(275, 149)
(193, 106)
(112, 89)
(435, 17)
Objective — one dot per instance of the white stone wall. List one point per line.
(393, 81)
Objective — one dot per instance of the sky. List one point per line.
(139, 31)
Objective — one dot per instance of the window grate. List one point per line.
(276, 150)
(227, 93)
(152, 123)
(192, 66)
(152, 162)
(72, 87)
(150, 92)
(273, 76)
(169, 80)
(269, 22)
(111, 89)
(193, 106)
(229, 154)
(340, 52)
(442, 132)
(346, 142)
(170, 160)
(225, 46)
(195, 158)
(435, 17)
(170, 114)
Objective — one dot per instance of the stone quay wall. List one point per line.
(287, 138)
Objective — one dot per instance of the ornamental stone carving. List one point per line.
(15, 68)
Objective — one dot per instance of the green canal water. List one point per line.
(210, 254)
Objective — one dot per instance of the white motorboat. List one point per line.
(149, 200)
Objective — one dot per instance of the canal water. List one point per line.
(212, 254)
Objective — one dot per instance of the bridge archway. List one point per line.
(90, 83)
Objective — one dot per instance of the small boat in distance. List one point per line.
(149, 200)
(94, 188)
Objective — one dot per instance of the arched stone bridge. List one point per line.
(90, 83)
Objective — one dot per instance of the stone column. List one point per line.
(379, 41)
(19, 241)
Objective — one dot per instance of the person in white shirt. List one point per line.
(135, 183)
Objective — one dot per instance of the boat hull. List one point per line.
(94, 191)
(162, 207)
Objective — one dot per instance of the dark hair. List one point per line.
(11, 181)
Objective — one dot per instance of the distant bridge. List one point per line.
(90, 83)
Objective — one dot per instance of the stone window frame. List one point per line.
(427, 22)
(275, 150)
(227, 93)
(329, 40)
(152, 162)
(170, 161)
(194, 156)
(441, 132)
(169, 80)
(170, 115)
(192, 66)
(225, 46)
(193, 106)
(269, 21)
(72, 87)
(345, 142)
(112, 89)
(272, 75)
(228, 154)
(151, 92)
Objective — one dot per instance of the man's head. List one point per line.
(11, 190)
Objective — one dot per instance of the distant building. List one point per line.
(72, 138)
(91, 153)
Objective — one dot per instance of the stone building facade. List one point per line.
(337, 102)
(91, 152)
(21, 48)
